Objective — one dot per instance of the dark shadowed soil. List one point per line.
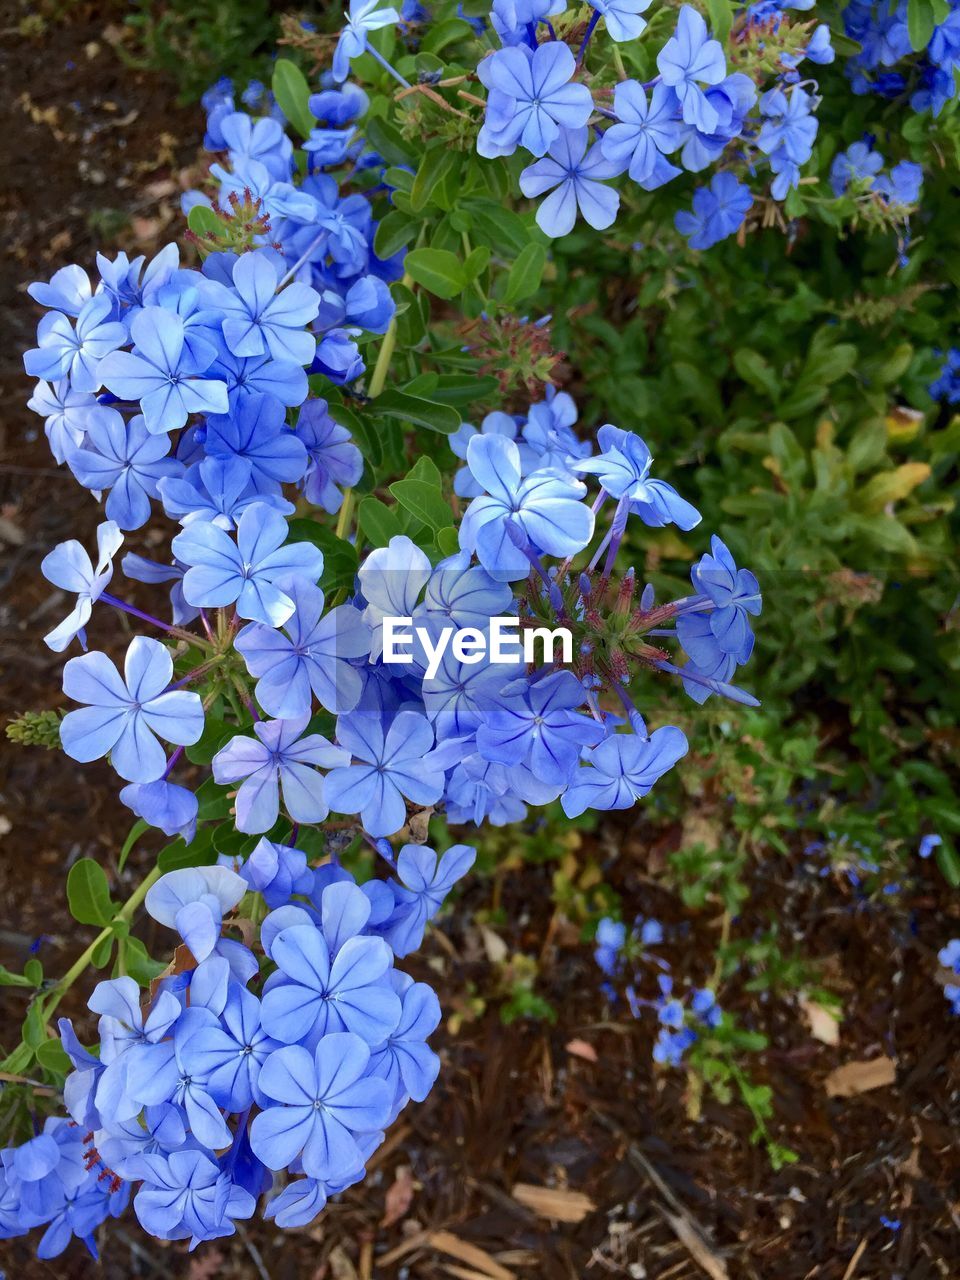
(94, 153)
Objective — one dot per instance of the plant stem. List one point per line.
(80, 964)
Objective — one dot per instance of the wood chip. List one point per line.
(582, 1049)
(471, 1254)
(822, 1022)
(859, 1077)
(553, 1202)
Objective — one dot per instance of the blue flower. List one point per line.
(689, 60)
(69, 567)
(125, 712)
(65, 411)
(167, 1072)
(258, 319)
(334, 460)
(194, 900)
(310, 657)
(405, 1061)
(530, 98)
(278, 760)
(389, 764)
(855, 164)
(217, 490)
(574, 176)
(246, 377)
(124, 458)
(734, 593)
(68, 290)
(789, 125)
(718, 211)
(363, 17)
(262, 139)
(610, 937)
(76, 353)
(162, 373)
(318, 989)
(545, 507)
(425, 882)
(184, 1195)
(623, 468)
(540, 729)
(246, 572)
(622, 17)
(228, 1054)
(902, 185)
(257, 433)
(622, 769)
(164, 805)
(277, 871)
(646, 132)
(928, 843)
(325, 1100)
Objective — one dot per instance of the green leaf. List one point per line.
(364, 433)
(448, 542)
(526, 273)
(203, 221)
(395, 230)
(33, 971)
(477, 261)
(389, 142)
(53, 1057)
(436, 270)
(339, 557)
(199, 853)
(752, 367)
(949, 864)
(435, 165)
(422, 412)
(921, 21)
(134, 834)
(292, 93)
(502, 229)
(17, 1062)
(10, 979)
(88, 893)
(721, 18)
(378, 523)
(137, 962)
(216, 733)
(457, 389)
(424, 501)
(441, 34)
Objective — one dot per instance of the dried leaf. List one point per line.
(341, 1268)
(859, 1077)
(581, 1049)
(553, 1202)
(399, 1197)
(823, 1023)
(495, 947)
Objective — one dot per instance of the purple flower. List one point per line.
(126, 459)
(258, 319)
(184, 1195)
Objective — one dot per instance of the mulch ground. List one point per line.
(629, 1178)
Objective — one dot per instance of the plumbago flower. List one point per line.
(261, 1062)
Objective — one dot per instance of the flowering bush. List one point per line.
(289, 412)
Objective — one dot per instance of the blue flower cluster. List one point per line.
(211, 1090)
(623, 955)
(882, 31)
(183, 391)
(693, 107)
